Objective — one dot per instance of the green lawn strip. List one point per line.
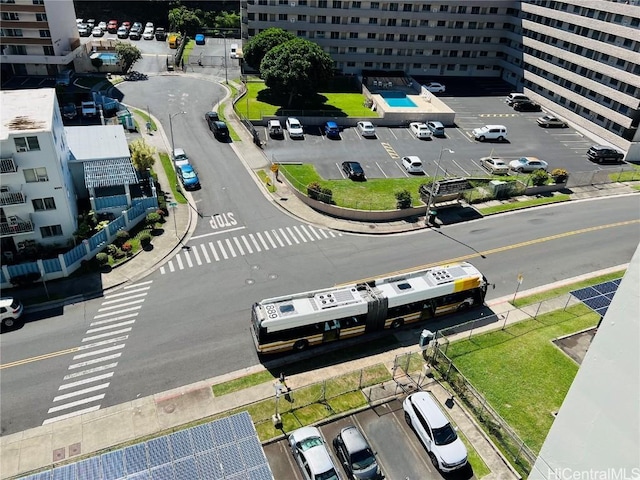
(186, 53)
(626, 175)
(478, 466)
(505, 207)
(242, 383)
(146, 118)
(375, 194)
(232, 133)
(522, 374)
(167, 164)
(556, 292)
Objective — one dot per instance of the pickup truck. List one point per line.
(89, 109)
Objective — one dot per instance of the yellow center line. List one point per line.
(38, 358)
(503, 249)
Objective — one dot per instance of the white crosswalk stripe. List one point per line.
(246, 244)
(85, 386)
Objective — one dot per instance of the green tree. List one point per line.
(128, 55)
(297, 66)
(185, 20)
(142, 155)
(227, 20)
(258, 46)
(97, 63)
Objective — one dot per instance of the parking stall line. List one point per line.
(277, 237)
(461, 168)
(238, 245)
(213, 251)
(292, 235)
(255, 243)
(205, 254)
(222, 250)
(264, 244)
(266, 234)
(246, 244)
(381, 170)
(232, 252)
(187, 257)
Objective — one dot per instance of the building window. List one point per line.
(320, 34)
(404, 37)
(356, 4)
(354, 20)
(371, 36)
(352, 50)
(422, 38)
(337, 4)
(370, 50)
(32, 175)
(38, 2)
(283, 17)
(302, 18)
(51, 231)
(391, 22)
(43, 203)
(389, 37)
(335, 35)
(373, 21)
(10, 16)
(388, 51)
(353, 34)
(322, 3)
(12, 32)
(301, 33)
(263, 17)
(416, 65)
(393, 7)
(407, 7)
(322, 19)
(45, 34)
(375, 5)
(48, 50)
(405, 22)
(26, 144)
(335, 20)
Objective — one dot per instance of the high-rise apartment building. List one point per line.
(579, 58)
(39, 37)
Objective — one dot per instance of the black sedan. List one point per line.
(353, 170)
(211, 118)
(526, 107)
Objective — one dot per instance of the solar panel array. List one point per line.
(223, 449)
(598, 297)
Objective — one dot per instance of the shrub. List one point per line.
(126, 247)
(153, 218)
(539, 177)
(102, 258)
(326, 195)
(560, 175)
(121, 237)
(118, 254)
(314, 190)
(403, 199)
(111, 249)
(145, 239)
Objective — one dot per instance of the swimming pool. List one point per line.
(107, 58)
(397, 99)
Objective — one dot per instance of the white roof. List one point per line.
(97, 142)
(26, 110)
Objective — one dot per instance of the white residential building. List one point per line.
(38, 200)
(39, 37)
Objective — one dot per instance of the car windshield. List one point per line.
(362, 459)
(444, 435)
(188, 175)
(356, 168)
(310, 442)
(294, 124)
(328, 475)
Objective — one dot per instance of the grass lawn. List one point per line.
(505, 207)
(261, 101)
(173, 179)
(520, 372)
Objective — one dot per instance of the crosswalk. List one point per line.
(97, 357)
(247, 244)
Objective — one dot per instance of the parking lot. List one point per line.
(381, 156)
(398, 450)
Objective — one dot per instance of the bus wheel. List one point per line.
(463, 306)
(397, 323)
(300, 345)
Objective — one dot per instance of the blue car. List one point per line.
(199, 39)
(331, 129)
(188, 177)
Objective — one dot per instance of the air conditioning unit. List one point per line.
(293, 4)
(292, 20)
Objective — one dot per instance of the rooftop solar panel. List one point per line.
(261, 473)
(230, 459)
(65, 472)
(186, 468)
(181, 445)
(159, 452)
(251, 451)
(606, 287)
(162, 472)
(583, 293)
(208, 466)
(597, 302)
(112, 465)
(202, 437)
(598, 297)
(242, 425)
(40, 476)
(144, 475)
(135, 458)
(88, 468)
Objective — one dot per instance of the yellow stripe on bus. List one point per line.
(465, 284)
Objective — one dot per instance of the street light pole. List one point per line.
(433, 183)
(224, 39)
(173, 146)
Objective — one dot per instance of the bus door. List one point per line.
(331, 331)
(428, 310)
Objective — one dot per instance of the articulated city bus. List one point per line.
(295, 322)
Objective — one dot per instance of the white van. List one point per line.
(490, 132)
(233, 51)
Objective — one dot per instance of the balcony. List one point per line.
(15, 226)
(12, 198)
(8, 165)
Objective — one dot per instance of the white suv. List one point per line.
(10, 311)
(295, 128)
(490, 132)
(446, 450)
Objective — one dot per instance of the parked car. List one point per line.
(353, 170)
(83, 30)
(91, 22)
(199, 38)
(355, 454)
(10, 311)
(220, 130)
(295, 128)
(274, 127)
(331, 129)
(69, 111)
(180, 157)
(603, 154)
(420, 130)
(148, 25)
(551, 121)
(148, 33)
(112, 26)
(366, 129)
(127, 25)
(412, 164)
(495, 166)
(210, 118)
(528, 164)
(311, 454)
(123, 32)
(97, 32)
(437, 128)
(64, 77)
(526, 107)
(188, 177)
(161, 34)
(516, 97)
(136, 31)
(446, 450)
(435, 87)
(103, 26)
(88, 108)
(490, 132)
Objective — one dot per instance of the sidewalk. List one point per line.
(36, 448)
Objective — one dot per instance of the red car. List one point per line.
(127, 25)
(112, 26)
